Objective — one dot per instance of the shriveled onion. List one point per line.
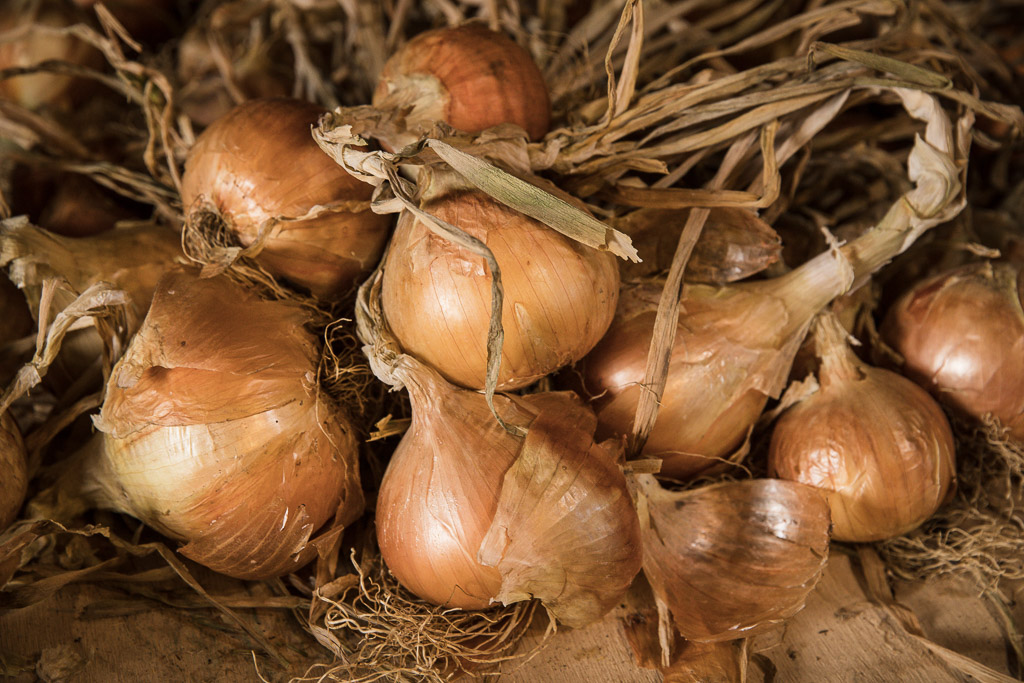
(214, 433)
(469, 514)
(559, 295)
(876, 444)
(961, 334)
(731, 560)
(14, 469)
(260, 169)
(467, 76)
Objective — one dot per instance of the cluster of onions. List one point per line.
(559, 295)
(961, 334)
(43, 89)
(876, 443)
(469, 514)
(14, 481)
(322, 234)
(214, 433)
(733, 559)
(468, 76)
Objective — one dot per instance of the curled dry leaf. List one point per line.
(213, 433)
(734, 559)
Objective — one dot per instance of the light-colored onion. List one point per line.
(467, 76)
(259, 165)
(214, 432)
(731, 560)
(14, 469)
(961, 334)
(876, 443)
(559, 295)
(469, 514)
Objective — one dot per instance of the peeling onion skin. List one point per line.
(260, 162)
(877, 444)
(732, 560)
(469, 77)
(961, 334)
(13, 471)
(560, 295)
(469, 515)
(213, 434)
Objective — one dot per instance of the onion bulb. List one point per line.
(14, 480)
(559, 295)
(259, 167)
(961, 334)
(214, 433)
(468, 76)
(731, 560)
(469, 514)
(876, 443)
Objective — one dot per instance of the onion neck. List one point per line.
(838, 363)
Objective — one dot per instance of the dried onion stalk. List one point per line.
(214, 433)
(14, 469)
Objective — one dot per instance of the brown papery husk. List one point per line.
(322, 235)
(13, 465)
(877, 445)
(733, 245)
(213, 433)
(961, 334)
(733, 559)
(559, 295)
(469, 513)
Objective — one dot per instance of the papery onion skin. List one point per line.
(13, 471)
(469, 77)
(961, 334)
(260, 163)
(560, 295)
(732, 560)
(878, 445)
(213, 433)
(462, 522)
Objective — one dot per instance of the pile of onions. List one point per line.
(14, 481)
(876, 443)
(469, 514)
(961, 334)
(468, 76)
(259, 169)
(213, 432)
(559, 295)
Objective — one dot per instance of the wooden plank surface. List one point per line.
(88, 634)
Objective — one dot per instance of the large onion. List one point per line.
(469, 514)
(961, 334)
(559, 295)
(213, 432)
(260, 168)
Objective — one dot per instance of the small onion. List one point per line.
(731, 560)
(467, 76)
(14, 469)
(214, 433)
(560, 295)
(259, 165)
(961, 334)
(876, 443)
(469, 514)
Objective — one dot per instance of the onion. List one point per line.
(731, 560)
(469, 514)
(876, 443)
(260, 168)
(213, 432)
(559, 295)
(14, 481)
(68, 204)
(961, 334)
(467, 76)
(43, 89)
